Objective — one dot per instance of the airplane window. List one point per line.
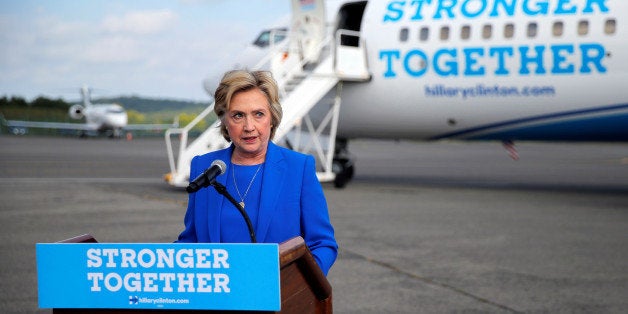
(403, 34)
(557, 29)
(465, 32)
(444, 33)
(532, 29)
(583, 28)
(487, 31)
(509, 30)
(610, 26)
(263, 40)
(424, 33)
(280, 37)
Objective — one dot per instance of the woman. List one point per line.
(277, 187)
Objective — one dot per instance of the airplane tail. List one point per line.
(86, 96)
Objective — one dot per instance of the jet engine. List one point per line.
(76, 112)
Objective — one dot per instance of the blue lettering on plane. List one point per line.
(417, 10)
(555, 59)
(472, 61)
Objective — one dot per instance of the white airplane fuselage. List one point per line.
(106, 117)
(507, 70)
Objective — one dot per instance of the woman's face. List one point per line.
(248, 123)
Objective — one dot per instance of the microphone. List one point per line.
(207, 178)
(217, 168)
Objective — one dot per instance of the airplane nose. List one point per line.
(247, 59)
(211, 83)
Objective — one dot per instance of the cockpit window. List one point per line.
(264, 39)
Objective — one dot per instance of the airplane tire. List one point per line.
(344, 172)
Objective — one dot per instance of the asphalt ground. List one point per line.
(444, 227)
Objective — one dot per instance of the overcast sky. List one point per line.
(148, 48)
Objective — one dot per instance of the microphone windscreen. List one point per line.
(221, 164)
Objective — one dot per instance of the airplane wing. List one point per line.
(152, 127)
(149, 127)
(49, 125)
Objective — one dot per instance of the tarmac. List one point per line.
(437, 227)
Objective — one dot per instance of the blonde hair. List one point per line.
(237, 81)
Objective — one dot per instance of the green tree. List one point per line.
(42, 102)
(18, 101)
(135, 117)
(186, 118)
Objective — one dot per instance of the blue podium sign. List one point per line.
(201, 276)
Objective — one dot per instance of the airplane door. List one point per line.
(308, 25)
(350, 18)
(351, 59)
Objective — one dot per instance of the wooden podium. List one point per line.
(304, 287)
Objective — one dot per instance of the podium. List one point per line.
(304, 287)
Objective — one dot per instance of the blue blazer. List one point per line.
(292, 204)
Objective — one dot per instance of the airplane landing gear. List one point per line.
(343, 168)
(342, 164)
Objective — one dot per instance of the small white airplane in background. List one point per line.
(505, 70)
(108, 119)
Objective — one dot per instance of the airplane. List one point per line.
(502, 70)
(109, 119)
(269, 40)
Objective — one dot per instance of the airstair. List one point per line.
(302, 85)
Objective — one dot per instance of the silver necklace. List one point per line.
(248, 188)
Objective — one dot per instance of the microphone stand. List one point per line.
(223, 191)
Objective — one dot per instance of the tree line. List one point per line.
(128, 102)
(39, 102)
(139, 110)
